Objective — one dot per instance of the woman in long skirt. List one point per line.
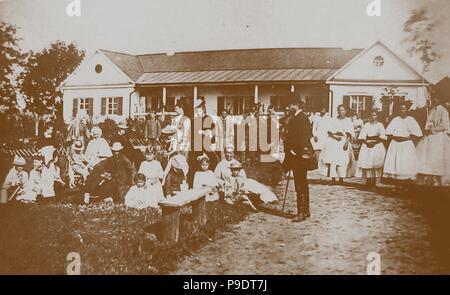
(434, 148)
(402, 163)
(372, 153)
(337, 159)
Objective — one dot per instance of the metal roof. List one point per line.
(233, 76)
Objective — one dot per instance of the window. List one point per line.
(153, 103)
(112, 106)
(358, 104)
(98, 69)
(378, 61)
(236, 105)
(83, 103)
(280, 103)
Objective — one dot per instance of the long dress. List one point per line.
(371, 159)
(334, 160)
(401, 161)
(434, 150)
(319, 130)
(153, 170)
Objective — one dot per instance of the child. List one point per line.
(139, 196)
(153, 172)
(15, 179)
(78, 163)
(206, 179)
(175, 176)
(234, 185)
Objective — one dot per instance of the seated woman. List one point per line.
(15, 180)
(153, 172)
(206, 179)
(98, 148)
(140, 196)
(175, 175)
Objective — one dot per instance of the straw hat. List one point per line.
(234, 165)
(19, 161)
(169, 129)
(122, 125)
(77, 146)
(116, 147)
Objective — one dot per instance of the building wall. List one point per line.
(97, 94)
(416, 94)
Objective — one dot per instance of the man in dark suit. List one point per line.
(298, 156)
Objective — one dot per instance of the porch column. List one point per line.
(164, 95)
(256, 94)
(195, 93)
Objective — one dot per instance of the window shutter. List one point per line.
(220, 105)
(346, 102)
(91, 106)
(75, 107)
(104, 101)
(120, 103)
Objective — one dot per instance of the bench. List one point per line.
(172, 208)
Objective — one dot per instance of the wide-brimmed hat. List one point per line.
(19, 161)
(96, 131)
(200, 103)
(202, 158)
(122, 125)
(77, 145)
(117, 147)
(180, 162)
(169, 129)
(234, 165)
(230, 148)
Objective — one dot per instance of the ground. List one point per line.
(347, 222)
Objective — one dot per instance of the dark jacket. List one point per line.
(298, 140)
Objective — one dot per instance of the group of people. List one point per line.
(401, 153)
(117, 171)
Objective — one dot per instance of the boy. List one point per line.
(15, 179)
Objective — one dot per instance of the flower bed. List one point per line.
(35, 239)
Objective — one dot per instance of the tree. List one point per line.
(10, 59)
(43, 74)
(419, 27)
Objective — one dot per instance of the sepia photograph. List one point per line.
(224, 137)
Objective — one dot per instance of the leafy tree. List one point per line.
(10, 59)
(43, 73)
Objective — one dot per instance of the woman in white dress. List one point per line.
(98, 148)
(434, 148)
(372, 153)
(337, 159)
(402, 163)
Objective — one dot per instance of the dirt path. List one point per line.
(346, 225)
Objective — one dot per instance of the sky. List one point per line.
(150, 26)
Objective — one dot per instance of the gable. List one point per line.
(364, 67)
(86, 74)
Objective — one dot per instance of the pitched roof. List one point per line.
(147, 67)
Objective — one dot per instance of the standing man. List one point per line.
(224, 133)
(298, 153)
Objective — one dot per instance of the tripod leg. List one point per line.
(285, 191)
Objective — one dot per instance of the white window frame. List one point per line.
(359, 99)
(112, 105)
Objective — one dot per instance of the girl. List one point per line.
(401, 163)
(175, 175)
(139, 195)
(373, 152)
(206, 179)
(153, 172)
(337, 159)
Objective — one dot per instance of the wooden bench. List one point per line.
(172, 209)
